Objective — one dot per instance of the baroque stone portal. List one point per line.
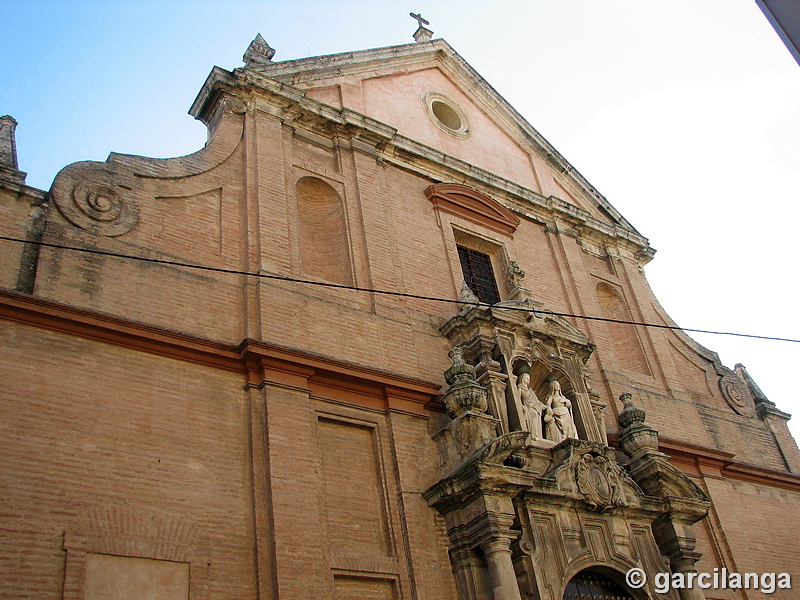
(531, 493)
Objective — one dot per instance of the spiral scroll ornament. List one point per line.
(735, 393)
(95, 200)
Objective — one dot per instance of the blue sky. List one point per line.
(684, 114)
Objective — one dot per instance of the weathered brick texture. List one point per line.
(277, 435)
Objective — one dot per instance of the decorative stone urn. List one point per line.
(464, 394)
(635, 436)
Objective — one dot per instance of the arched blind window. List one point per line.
(624, 338)
(324, 249)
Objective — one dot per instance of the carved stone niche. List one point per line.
(524, 520)
(508, 339)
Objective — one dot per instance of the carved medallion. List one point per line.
(599, 482)
(735, 393)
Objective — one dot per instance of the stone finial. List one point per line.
(8, 142)
(422, 34)
(636, 436)
(258, 53)
(631, 414)
(9, 169)
(467, 297)
(464, 394)
(465, 401)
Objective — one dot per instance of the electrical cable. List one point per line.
(536, 311)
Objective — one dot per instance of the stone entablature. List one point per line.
(347, 129)
(409, 56)
(523, 518)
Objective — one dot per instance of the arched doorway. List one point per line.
(593, 585)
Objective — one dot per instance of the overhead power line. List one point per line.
(537, 311)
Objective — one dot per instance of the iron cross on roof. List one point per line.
(419, 19)
(422, 34)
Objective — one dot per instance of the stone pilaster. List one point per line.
(489, 374)
(466, 563)
(598, 411)
(677, 541)
(495, 383)
(652, 470)
(481, 538)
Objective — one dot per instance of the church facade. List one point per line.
(341, 352)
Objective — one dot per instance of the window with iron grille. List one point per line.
(478, 274)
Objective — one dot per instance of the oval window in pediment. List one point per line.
(446, 114)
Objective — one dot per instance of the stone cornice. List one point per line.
(216, 82)
(720, 464)
(23, 193)
(348, 128)
(477, 478)
(351, 63)
(250, 357)
(410, 154)
(403, 56)
(766, 410)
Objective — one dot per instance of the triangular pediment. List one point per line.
(401, 85)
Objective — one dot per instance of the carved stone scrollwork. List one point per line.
(599, 482)
(519, 292)
(106, 198)
(467, 297)
(96, 199)
(590, 472)
(515, 274)
(735, 392)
